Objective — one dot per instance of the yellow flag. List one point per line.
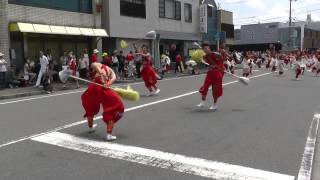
(123, 44)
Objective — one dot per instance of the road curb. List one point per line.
(40, 92)
(20, 95)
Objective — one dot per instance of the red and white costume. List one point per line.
(297, 67)
(72, 65)
(316, 67)
(214, 76)
(95, 96)
(246, 68)
(281, 64)
(148, 73)
(273, 64)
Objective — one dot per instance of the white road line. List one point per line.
(83, 89)
(305, 172)
(160, 159)
(100, 117)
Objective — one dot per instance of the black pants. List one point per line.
(178, 65)
(121, 69)
(138, 66)
(2, 80)
(83, 73)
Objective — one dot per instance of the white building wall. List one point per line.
(129, 27)
(19, 13)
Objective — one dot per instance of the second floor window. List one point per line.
(170, 9)
(133, 8)
(188, 12)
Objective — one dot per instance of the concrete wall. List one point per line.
(311, 38)
(19, 13)
(4, 34)
(226, 17)
(129, 27)
(259, 33)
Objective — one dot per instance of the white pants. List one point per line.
(40, 77)
(131, 68)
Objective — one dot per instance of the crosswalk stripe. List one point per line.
(160, 159)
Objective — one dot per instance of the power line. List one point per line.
(279, 17)
(251, 17)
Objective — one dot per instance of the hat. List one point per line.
(95, 51)
(1, 54)
(104, 54)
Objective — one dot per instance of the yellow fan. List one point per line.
(127, 94)
(198, 55)
(123, 44)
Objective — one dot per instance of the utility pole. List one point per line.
(290, 44)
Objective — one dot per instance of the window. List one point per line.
(210, 11)
(188, 12)
(177, 10)
(133, 8)
(170, 9)
(84, 6)
(162, 8)
(229, 29)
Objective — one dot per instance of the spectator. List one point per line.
(3, 71)
(106, 59)
(28, 74)
(115, 63)
(178, 63)
(121, 68)
(86, 56)
(14, 78)
(94, 56)
(73, 67)
(130, 60)
(137, 61)
(83, 66)
(164, 61)
(43, 67)
(49, 56)
(64, 61)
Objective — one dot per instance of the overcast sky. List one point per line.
(254, 11)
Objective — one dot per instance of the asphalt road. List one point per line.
(263, 126)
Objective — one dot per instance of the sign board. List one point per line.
(220, 35)
(203, 18)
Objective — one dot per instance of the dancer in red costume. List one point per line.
(148, 73)
(95, 95)
(214, 77)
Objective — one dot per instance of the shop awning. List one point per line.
(51, 29)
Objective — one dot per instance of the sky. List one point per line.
(255, 11)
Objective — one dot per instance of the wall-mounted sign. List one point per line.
(203, 18)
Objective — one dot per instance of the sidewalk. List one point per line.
(316, 167)
(57, 87)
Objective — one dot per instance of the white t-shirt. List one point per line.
(82, 64)
(3, 65)
(44, 63)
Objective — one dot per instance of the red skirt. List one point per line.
(149, 76)
(112, 105)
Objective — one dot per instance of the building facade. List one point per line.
(59, 26)
(176, 23)
(211, 27)
(304, 35)
(226, 27)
